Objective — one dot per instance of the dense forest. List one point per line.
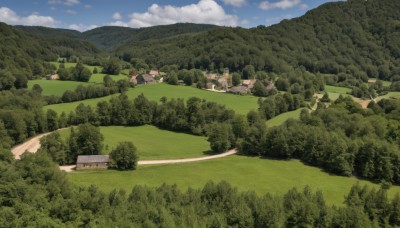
(34, 193)
(339, 43)
(356, 37)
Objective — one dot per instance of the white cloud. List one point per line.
(282, 4)
(244, 22)
(119, 23)
(10, 17)
(87, 6)
(236, 3)
(71, 11)
(117, 16)
(65, 2)
(205, 11)
(82, 27)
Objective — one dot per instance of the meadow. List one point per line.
(240, 104)
(153, 143)
(55, 87)
(98, 78)
(245, 173)
(280, 119)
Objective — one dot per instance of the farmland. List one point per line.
(98, 78)
(240, 104)
(54, 87)
(153, 143)
(245, 173)
(280, 119)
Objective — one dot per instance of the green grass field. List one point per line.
(54, 87)
(245, 173)
(153, 143)
(241, 104)
(280, 119)
(98, 78)
(337, 89)
(69, 65)
(391, 95)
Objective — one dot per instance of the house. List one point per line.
(154, 73)
(133, 79)
(239, 90)
(145, 79)
(211, 76)
(249, 83)
(54, 77)
(270, 86)
(92, 162)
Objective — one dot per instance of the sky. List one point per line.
(84, 15)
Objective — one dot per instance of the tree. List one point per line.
(112, 67)
(89, 139)
(325, 98)
(248, 72)
(259, 89)
(172, 78)
(95, 71)
(52, 120)
(6, 80)
(221, 137)
(124, 156)
(236, 79)
(37, 88)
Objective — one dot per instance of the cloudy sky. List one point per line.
(87, 14)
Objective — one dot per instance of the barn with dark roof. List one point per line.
(92, 162)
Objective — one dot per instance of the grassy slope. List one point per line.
(246, 173)
(280, 119)
(54, 87)
(153, 143)
(98, 78)
(241, 104)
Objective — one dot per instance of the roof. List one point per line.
(211, 76)
(249, 83)
(147, 78)
(92, 159)
(154, 72)
(239, 89)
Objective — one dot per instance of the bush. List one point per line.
(124, 156)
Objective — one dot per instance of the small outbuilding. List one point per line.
(145, 79)
(92, 162)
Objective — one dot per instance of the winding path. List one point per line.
(33, 145)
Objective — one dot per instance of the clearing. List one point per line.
(153, 143)
(280, 119)
(245, 173)
(55, 87)
(240, 104)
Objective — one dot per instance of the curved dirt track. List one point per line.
(33, 145)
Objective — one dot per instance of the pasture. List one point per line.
(280, 119)
(240, 104)
(153, 143)
(245, 173)
(69, 65)
(54, 87)
(98, 78)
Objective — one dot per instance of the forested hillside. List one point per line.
(22, 54)
(109, 37)
(357, 37)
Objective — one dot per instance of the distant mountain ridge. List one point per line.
(356, 38)
(109, 37)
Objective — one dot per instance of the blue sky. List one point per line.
(87, 14)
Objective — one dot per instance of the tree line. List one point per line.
(36, 193)
(343, 139)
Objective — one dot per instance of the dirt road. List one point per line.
(33, 145)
